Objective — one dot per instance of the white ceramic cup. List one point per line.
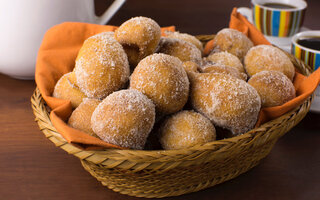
(24, 22)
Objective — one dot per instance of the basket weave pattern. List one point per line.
(175, 172)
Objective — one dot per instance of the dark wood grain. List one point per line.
(31, 167)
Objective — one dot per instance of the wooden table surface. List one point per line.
(31, 167)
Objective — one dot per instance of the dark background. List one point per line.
(193, 16)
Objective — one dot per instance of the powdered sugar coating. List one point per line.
(139, 36)
(185, 129)
(190, 67)
(181, 49)
(138, 29)
(224, 69)
(266, 58)
(228, 102)
(124, 118)
(81, 116)
(66, 89)
(228, 59)
(274, 88)
(232, 41)
(101, 66)
(163, 79)
(186, 37)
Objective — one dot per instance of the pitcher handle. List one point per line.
(106, 16)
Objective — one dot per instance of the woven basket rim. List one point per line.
(150, 156)
(196, 147)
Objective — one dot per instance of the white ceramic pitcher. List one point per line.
(24, 22)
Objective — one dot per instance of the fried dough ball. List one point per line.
(124, 118)
(268, 58)
(228, 102)
(181, 49)
(163, 79)
(185, 129)
(67, 89)
(186, 37)
(81, 116)
(139, 37)
(228, 59)
(190, 67)
(233, 41)
(220, 68)
(274, 88)
(101, 66)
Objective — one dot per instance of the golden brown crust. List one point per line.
(274, 88)
(185, 129)
(81, 116)
(139, 37)
(101, 66)
(124, 118)
(181, 49)
(186, 37)
(163, 79)
(220, 68)
(67, 89)
(268, 58)
(191, 67)
(227, 59)
(233, 41)
(227, 101)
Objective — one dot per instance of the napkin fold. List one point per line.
(60, 47)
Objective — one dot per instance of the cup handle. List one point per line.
(247, 12)
(106, 16)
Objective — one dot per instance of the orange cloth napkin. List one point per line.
(56, 57)
(304, 86)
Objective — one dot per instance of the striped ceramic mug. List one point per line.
(310, 56)
(277, 18)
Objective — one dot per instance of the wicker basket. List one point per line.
(175, 172)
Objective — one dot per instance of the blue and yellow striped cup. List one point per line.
(278, 22)
(309, 56)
